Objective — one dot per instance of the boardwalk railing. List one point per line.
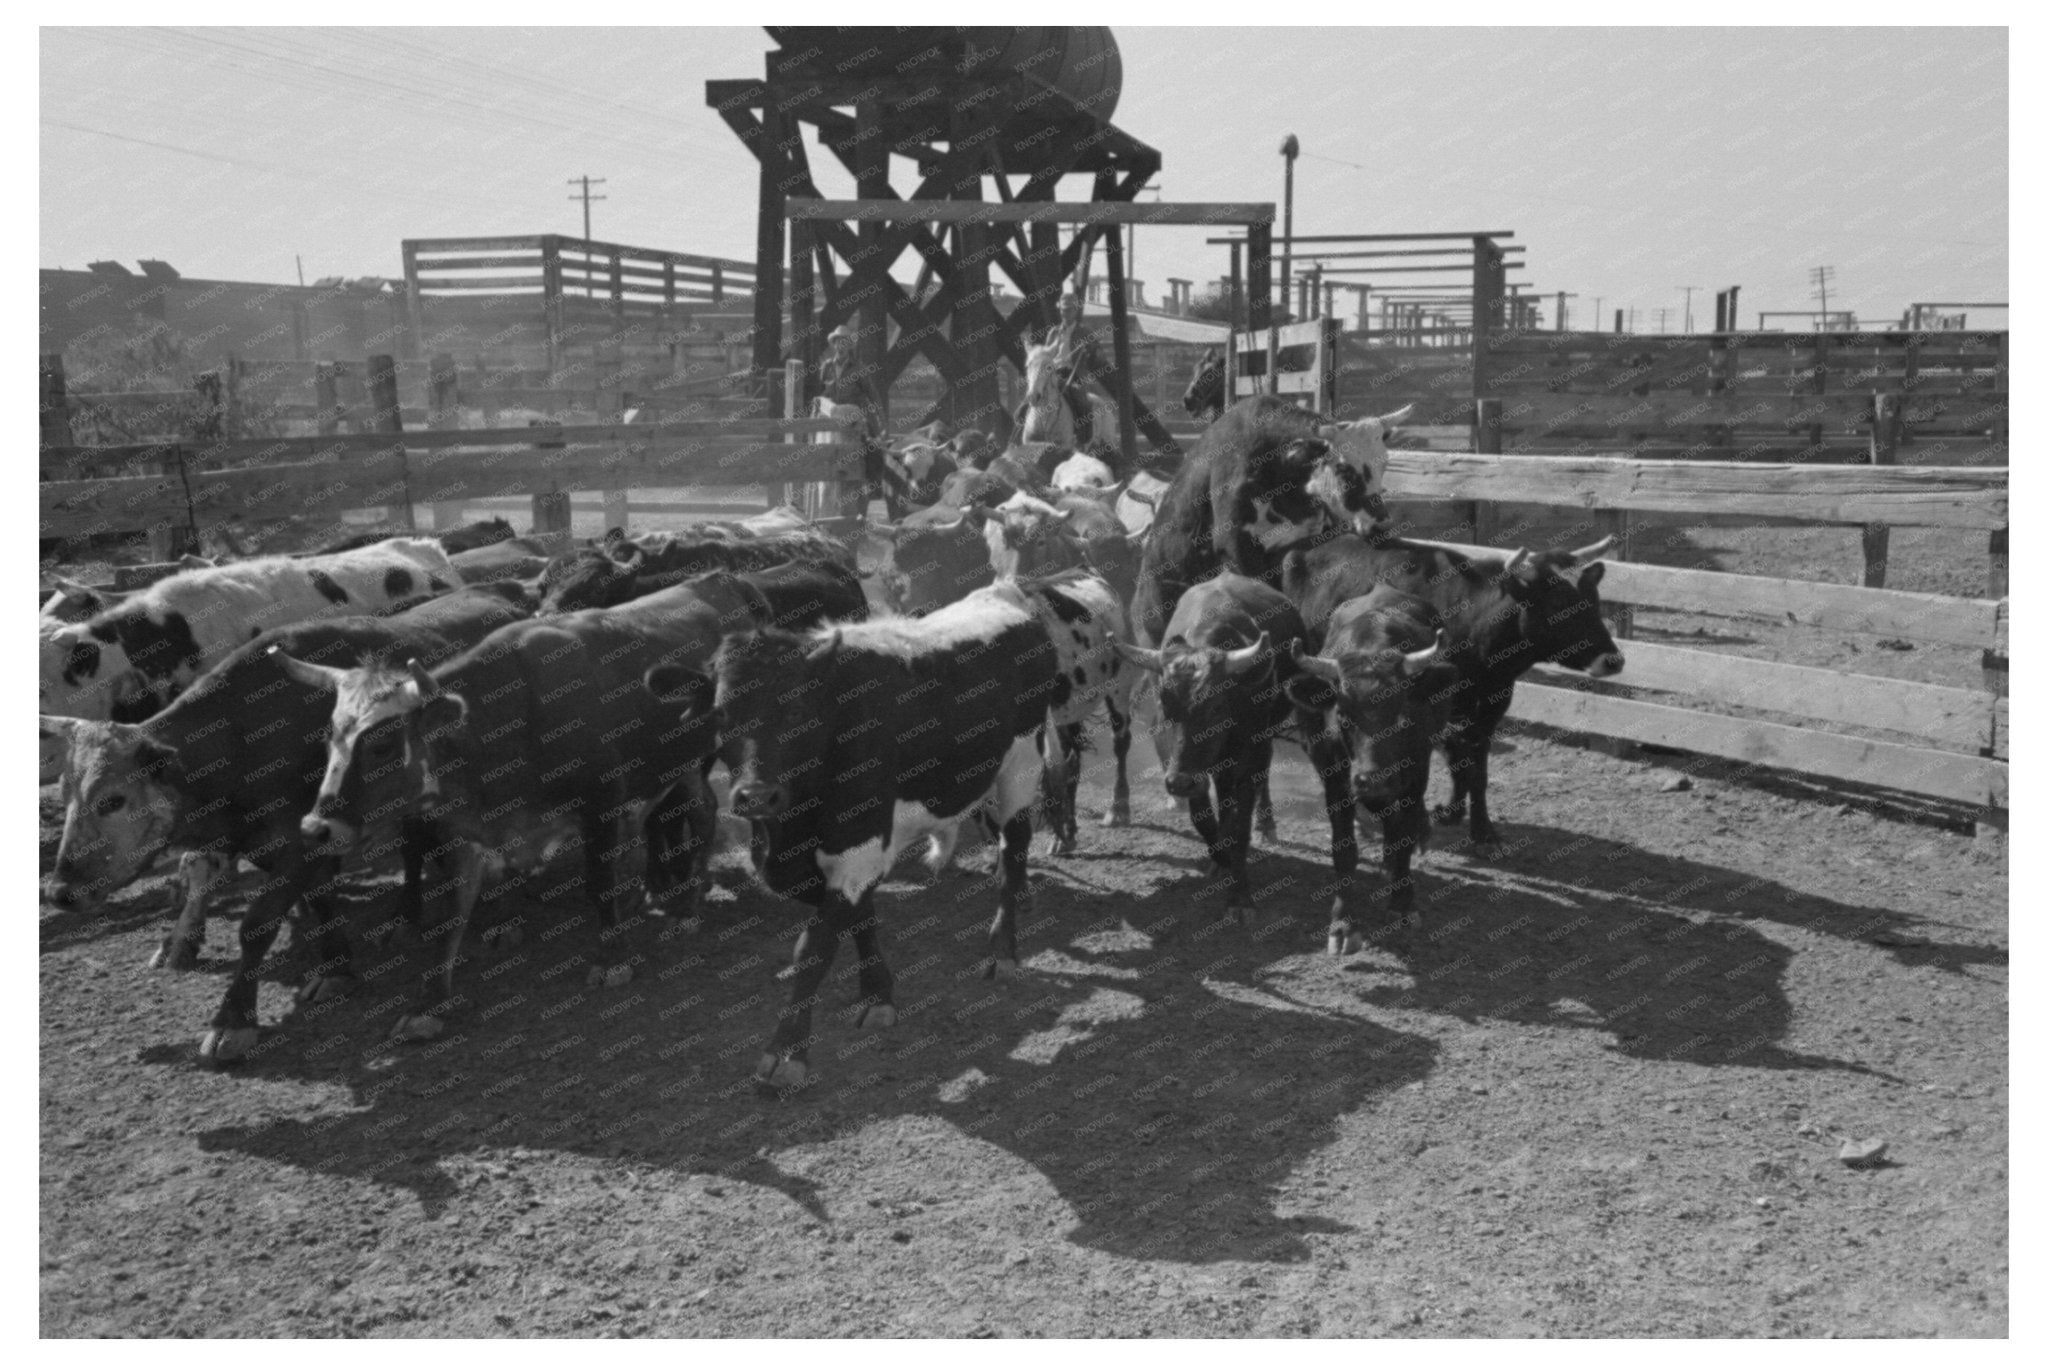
(1950, 742)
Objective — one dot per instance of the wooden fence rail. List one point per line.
(336, 472)
(1951, 743)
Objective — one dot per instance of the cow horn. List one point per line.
(1146, 498)
(422, 679)
(195, 562)
(1243, 660)
(1519, 558)
(1151, 660)
(1315, 665)
(883, 530)
(824, 649)
(312, 675)
(1423, 658)
(1397, 416)
(73, 590)
(1592, 552)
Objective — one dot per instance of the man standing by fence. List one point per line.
(841, 378)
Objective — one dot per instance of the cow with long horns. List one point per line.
(1501, 618)
(1384, 688)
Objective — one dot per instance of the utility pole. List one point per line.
(300, 262)
(586, 196)
(1662, 317)
(1290, 148)
(1561, 297)
(1822, 276)
(1598, 299)
(1688, 288)
(589, 289)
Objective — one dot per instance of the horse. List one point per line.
(1204, 398)
(1049, 401)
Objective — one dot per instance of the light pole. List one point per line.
(1290, 148)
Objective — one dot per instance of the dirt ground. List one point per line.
(1601, 1092)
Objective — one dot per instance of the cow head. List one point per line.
(1389, 703)
(122, 805)
(767, 702)
(1285, 509)
(590, 576)
(1205, 692)
(1362, 446)
(1556, 619)
(932, 562)
(1028, 536)
(381, 748)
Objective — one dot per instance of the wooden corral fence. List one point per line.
(165, 487)
(1297, 360)
(1948, 743)
(1770, 396)
(580, 291)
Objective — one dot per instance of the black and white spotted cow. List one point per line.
(850, 744)
(131, 661)
(1080, 610)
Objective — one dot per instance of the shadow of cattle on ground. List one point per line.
(1162, 1069)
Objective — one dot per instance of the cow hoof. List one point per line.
(175, 956)
(330, 987)
(224, 1045)
(1345, 942)
(782, 1074)
(1449, 815)
(1485, 851)
(877, 1016)
(1269, 833)
(608, 978)
(1062, 845)
(1411, 920)
(416, 1028)
(1116, 817)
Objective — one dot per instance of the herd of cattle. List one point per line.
(485, 702)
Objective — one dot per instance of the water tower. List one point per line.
(1008, 110)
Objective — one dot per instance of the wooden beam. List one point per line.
(1972, 622)
(1902, 495)
(1956, 717)
(270, 491)
(1927, 772)
(1372, 237)
(1120, 342)
(969, 211)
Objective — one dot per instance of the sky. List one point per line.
(1629, 162)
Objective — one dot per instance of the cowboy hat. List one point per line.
(842, 331)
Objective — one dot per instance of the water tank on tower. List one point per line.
(1050, 80)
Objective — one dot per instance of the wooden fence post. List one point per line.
(1484, 517)
(612, 404)
(387, 418)
(1614, 522)
(1992, 824)
(441, 416)
(326, 398)
(795, 495)
(53, 409)
(1884, 449)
